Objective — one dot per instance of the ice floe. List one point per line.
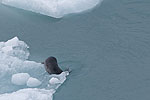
(19, 76)
(54, 8)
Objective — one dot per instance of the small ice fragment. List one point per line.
(54, 80)
(66, 73)
(20, 78)
(33, 82)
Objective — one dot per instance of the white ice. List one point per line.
(29, 94)
(15, 68)
(20, 78)
(33, 82)
(54, 8)
(15, 48)
(54, 80)
(57, 79)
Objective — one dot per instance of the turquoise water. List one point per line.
(106, 48)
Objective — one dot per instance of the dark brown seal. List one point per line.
(51, 66)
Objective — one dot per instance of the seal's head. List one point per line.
(51, 66)
(51, 60)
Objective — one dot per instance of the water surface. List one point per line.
(107, 48)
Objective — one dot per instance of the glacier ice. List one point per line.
(15, 68)
(54, 8)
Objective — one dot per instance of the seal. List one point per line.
(51, 66)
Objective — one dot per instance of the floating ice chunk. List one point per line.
(54, 80)
(54, 8)
(20, 78)
(63, 76)
(59, 79)
(33, 82)
(29, 94)
(65, 73)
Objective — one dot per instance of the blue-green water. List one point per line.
(107, 48)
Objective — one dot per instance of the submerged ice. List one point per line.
(33, 82)
(54, 8)
(22, 79)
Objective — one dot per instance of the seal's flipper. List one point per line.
(69, 70)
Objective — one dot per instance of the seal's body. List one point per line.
(51, 66)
